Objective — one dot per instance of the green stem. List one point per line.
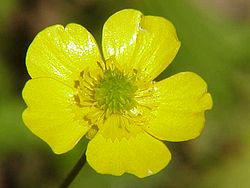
(73, 173)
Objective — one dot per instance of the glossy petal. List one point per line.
(50, 113)
(183, 100)
(145, 43)
(62, 53)
(139, 154)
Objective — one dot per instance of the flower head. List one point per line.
(113, 99)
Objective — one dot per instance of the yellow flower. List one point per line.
(112, 99)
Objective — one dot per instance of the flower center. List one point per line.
(110, 92)
(115, 92)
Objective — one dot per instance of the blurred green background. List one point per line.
(215, 36)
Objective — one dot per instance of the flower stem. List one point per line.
(74, 172)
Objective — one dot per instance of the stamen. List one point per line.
(100, 65)
(81, 74)
(92, 77)
(88, 88)
(76, 84)
(112, 91)
(77, 99)
(91, 84)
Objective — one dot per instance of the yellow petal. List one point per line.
(138, 153)
(145, 43)
(50, 114)
(183, 100)
(62, 53)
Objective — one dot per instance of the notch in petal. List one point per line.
(147, 44)
(62, 53)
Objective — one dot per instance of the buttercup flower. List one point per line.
(112, 99)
